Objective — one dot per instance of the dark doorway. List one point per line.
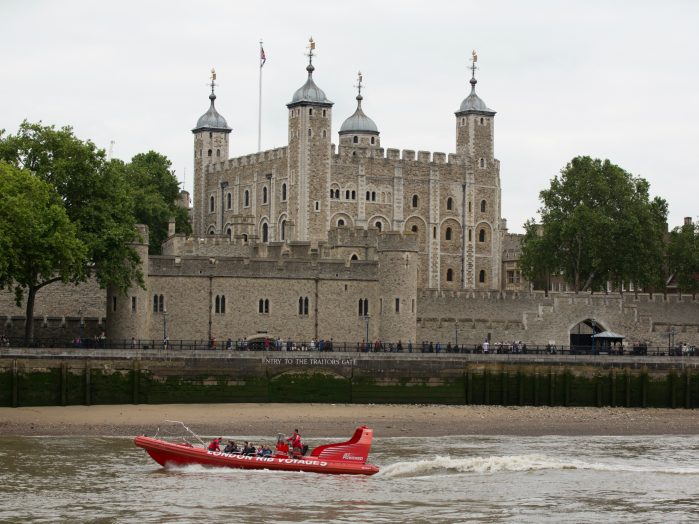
(581, 341)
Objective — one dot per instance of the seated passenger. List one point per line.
(249, 449)
(214, 444)
(230, 447)
(266, 451)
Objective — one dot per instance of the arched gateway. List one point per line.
(581, 340)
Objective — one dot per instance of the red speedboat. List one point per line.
(348, 458)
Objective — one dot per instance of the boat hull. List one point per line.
(167, 453)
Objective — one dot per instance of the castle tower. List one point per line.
(310, 116)
(475, 131)
(210, 146)
(129, 314)
(359, 130)
(397, 256)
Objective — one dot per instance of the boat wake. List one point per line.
(512, 463)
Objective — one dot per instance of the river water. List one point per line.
(446, 479)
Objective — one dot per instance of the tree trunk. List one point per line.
(29, 316)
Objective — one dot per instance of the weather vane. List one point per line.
(213, 79)
(359, 83)
(311, 47)
(474, 59)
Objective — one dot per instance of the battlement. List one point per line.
(405, 155)
(396, 241)
(248, 160)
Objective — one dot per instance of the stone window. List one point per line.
(481, 235)
(373, 140)
(355, 139)
(264, 194)
(412, 306)
(324, 112)
(340, 222)
(434, 232)
(482, 162)
(513, 277)
(447, 234)
(413, 229)
(229, 232)
(397, 305)
(469, 206)
(158, 303)
(450, 275)
(347, 194)
(209, 152)
(265, 232)
(482, 121)
(246, 198)
(463, 120)
(212, 204)
(354, 195)
(483, 206)
(303, 306)
(325, 133)
(229, 201)
(310, 111)
(283, 192)
(381, 306)
(363, 309)
(133, 304)
(310, 133)
(378, 225)
(245, 237)
(211, 135)
(414, 200)
(373, 196)
(337, 194)
(450, 204)
(469, 235)
(220, 304)
(263, 306)
(481, 276)
(218, 152)
(282, 229)
(354, 257)
(317, 206)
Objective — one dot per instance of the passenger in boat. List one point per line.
(295, 442)
(249, 449)
(266, 451)
(214, 445)
(230, 447)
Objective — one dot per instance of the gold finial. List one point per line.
(474, 59)
(213, 74)
(359, 77)
(311, 44)
(474, 56)
(311, 47)
(359, 85)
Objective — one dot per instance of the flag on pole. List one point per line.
(263, 57)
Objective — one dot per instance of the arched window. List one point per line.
(283, 192)
(229, 200)
(413, 229)
(373, 140)
(155, 303)
(354, 257)
(309, 131)
(212, 204)
(447, 234)
(354, 195)
(481, 235)
(218, 152)
(368, 196)
(229, 232)
(414, 200)
(305, 306)
(211, 135)
(373, 196)
(450, 275)
(324, 112)
(469, 235)
(340, 222)
(261, 307)
(481, 276)
(360, 309)
(300, 305)
(483, 206)
(482, 162)
(347, 194)
(246, 198)
(161, 303)
(450, 204)
(282, 228)
(223, 304)
(265, 232)
(378, 225)
(355, 139)
(245, 237)
(332, 193)
(310, 111)
(363, 308)
(337, 194)
(482, 121)
(325, 133)
(209, 152)
(266, 305)
(264, 195)
(469, 206)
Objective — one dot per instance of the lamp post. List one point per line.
(165, 340)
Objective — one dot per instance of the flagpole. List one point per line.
(259, 106)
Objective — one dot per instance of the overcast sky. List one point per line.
(609, 79)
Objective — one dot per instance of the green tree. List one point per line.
(156, 192)
(683, 255)
(97, 196)
(39, 242)
(598, 224)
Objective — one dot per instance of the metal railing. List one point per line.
(346, 347)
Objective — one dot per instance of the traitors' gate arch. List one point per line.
(581, 334)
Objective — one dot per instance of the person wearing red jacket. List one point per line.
(295, 441)
(214, 445)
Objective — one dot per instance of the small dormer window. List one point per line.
(355, 139)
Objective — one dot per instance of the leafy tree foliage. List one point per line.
(39, 244)
(683, 254)
(97, 197)
(156, 191)
(598, 224)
